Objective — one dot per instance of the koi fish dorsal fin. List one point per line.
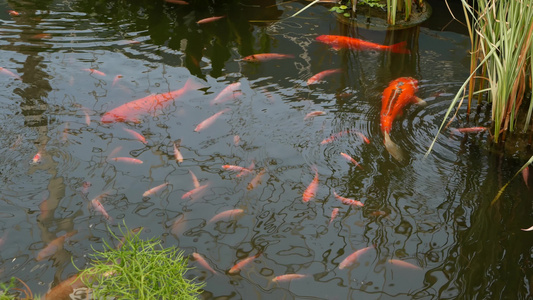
(193, 84)
(419, 101)
(399, 48)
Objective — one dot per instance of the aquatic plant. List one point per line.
(139, 269)
(501, 58)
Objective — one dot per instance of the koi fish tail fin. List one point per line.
(419, 101)
(394, 150)
(399, 48)
(193, 84)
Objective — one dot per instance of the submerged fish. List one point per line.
(226, 214)
(352, 258)
(9, 73)
(154, 189)
(288, 277)
(131, 111)
(209, 121)
(396, 96)
(334, 214)
(54, 246)
(311, 189)
(199, 258)
(266, 57)
(348, 201)
(404, 264)
(210, 19)
(229, 92)
(339, 42)
(238, 266)
(321, 75)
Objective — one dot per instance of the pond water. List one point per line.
(433, 212)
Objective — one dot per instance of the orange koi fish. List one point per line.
(178, 226)
(177, 154)
(525, 175)
(238, 266)
(247, 170)
(66, 287)
(256, 180)
(41, 36)
(338, 42)
(93, 71)
(256, 58)
(97, 205)
(194, 191)
(334, 214)
(468, 130)
(404, 264)
(131, 111)
(54, 245)
(334, 137)
(396, 96)
(194, 180)
(36, 158)
(229, 92)
(320, 76)
(87, 116)
(210, 19)
(242, 170)
(350, 159)
(226, 214)
(135, 134)
(129, 160)
(236, 140)
(13, 13)
(348, 201)
(311, 189)
(199, 258)
(116, 79)
(314, 114)
(9, 73)
(363, 137)
(154, 189)
(180, 2)
(348, 261)
(288, 277)
(209, 121)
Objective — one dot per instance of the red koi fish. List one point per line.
(320, 76)
(348, 201)
(311, 189)
(350, 159)
(404, 264)
(288, 277)
(396, 96)
(226, 214)
(54, 245)
(135, 134)
(210, 19)
(209, 121)
(154, 189)
(262, 57)
(314, 114)
(348, 261)
(229, 92)
(131, 111)
(13, 13)
(334, 214)
(36, 158)
(199, 258)
(9, 73)
(116, 79)
(338, 42)
(238, 266)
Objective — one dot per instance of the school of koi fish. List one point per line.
(396, 96)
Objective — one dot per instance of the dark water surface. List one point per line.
(433, 213)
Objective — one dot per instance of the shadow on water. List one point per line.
(432, 213)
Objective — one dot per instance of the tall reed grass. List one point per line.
(501, 61)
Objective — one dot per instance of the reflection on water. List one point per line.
(432, 213)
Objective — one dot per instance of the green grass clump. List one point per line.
(138, 270)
